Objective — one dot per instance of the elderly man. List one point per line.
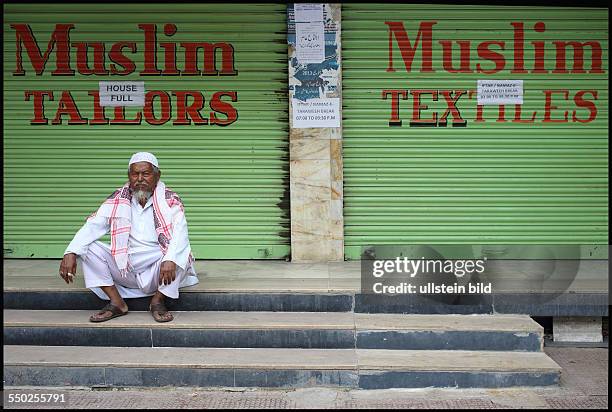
(149, 252)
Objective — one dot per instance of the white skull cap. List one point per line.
(144, 157)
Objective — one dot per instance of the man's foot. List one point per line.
(108, 312)
(160, 312)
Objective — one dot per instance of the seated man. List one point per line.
(149, 252)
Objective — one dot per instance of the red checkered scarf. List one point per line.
(167, 206)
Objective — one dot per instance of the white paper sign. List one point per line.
(316, 113)
(308, 12)
(310, 42)
(122, 94)
(500, 92)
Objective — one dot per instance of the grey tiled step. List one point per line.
(252, 285)
(568, 304)
(276, 330)
(355, 368)
(18, 298)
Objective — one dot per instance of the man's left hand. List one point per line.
(167, 272)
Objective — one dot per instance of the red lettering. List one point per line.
(501, 115)
(539, 50)
(580, 102)
(82, 58)
(116, 55)
(193, 110)
(210, 65)
(119, 117)
(60, 36)
(578, 56)
(517, 115)
(407, 50)
(479, 118)
(417, 107)
(150, 52)
(169, 59)
(548, 107)
(166, 107)
(519, 48)
(39, 104)
(169, 52)
(222, 107)
(447, 56)
(485, 53)
(68, 106)
(395, 94)
(99, 116)
(451, 103)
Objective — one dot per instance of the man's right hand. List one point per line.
(68, 267)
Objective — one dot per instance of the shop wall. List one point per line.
(424, 163)
(215, 115)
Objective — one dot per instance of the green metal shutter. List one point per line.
(233, 179)
(487, 182)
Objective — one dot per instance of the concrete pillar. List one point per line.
(316, 182)
(577, 329)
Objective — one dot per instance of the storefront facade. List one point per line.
(215, 114)
(418, 158)
(425, 163)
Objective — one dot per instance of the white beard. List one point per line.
(142, 196)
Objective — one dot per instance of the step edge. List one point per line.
(350, 321)
(263, 328)
(359, 368)
(356, 353)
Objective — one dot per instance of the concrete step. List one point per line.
(276, 330)
(570, 304)
(269, 285)
(207, 367)
(18, 298)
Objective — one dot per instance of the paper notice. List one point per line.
(316, 113)
(308, 12)
(122, 93)
(309, 42)
(500, 92)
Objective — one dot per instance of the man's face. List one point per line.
(142, 177)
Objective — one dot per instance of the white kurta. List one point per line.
(144, 253)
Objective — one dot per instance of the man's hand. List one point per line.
(167, 272)
(68, 267)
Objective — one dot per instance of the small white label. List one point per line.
(496, 92)
(116, 94)
(308, 12)
(316, 113)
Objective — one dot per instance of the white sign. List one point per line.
(122, 94)
(500, 92)
(308, 12)
(310, 42)
(316, 113)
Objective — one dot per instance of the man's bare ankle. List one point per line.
(120, 304)
(157, 298)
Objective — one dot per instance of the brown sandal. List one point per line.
(160, 309)
(114, 310)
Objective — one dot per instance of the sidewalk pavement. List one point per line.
(583, 385)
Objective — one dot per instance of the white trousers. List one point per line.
(100, 269)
